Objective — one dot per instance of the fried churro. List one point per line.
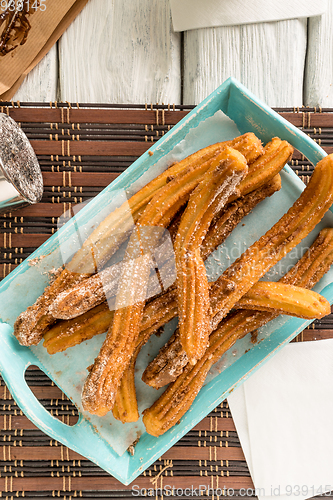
(125, 407)
(192, 283)
(226, 220)
(31, 324)
(180, 394)
(275, 155)
(285, 299)
(71, 332)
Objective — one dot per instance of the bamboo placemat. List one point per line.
(81, 149)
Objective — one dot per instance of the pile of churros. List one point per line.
(199, 200)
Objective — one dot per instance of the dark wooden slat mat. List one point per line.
(81, 149)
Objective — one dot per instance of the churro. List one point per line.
(192, 284)
(285, 299)
(64, 334)
(179, 395)
(31, 324)
(226, 220)
(125, 407)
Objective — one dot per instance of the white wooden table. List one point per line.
(125, 51)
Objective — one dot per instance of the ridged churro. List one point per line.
(178, 397)
(226, 220)
(192, 284)
(275, 155)
(64, 334)
(285, 299)
(31, 324)
(125, 407)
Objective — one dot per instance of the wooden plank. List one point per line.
(316, 334)
(66, 115)
(318, 89)
(70, 179)
(92, 148)
(215, 424)
(12, 240)
(204, 453)
(105, 116)
(258, 55)
(41, 83)
(209, 59)
(69, 483)
(52, 452)
(123, 51)
(36, 115)
(21, 422)
(41, 210)
(5, 269)
(181, 482)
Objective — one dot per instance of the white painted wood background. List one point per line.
(125, 51)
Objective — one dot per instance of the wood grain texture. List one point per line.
(318, 82)
(268, 58)
(121, 51)
(41, 83)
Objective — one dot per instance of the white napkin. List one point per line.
(192, 14)
(283, 415)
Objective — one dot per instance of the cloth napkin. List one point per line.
(192, 14)
(283, 415)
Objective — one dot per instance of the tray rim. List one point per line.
(226, 92)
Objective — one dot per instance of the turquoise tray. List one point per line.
(22, 286)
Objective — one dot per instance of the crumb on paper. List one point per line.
(254, 337)
(131, 448)
(159, 331)
(36, 260)
(150, 153)
(54, 273)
